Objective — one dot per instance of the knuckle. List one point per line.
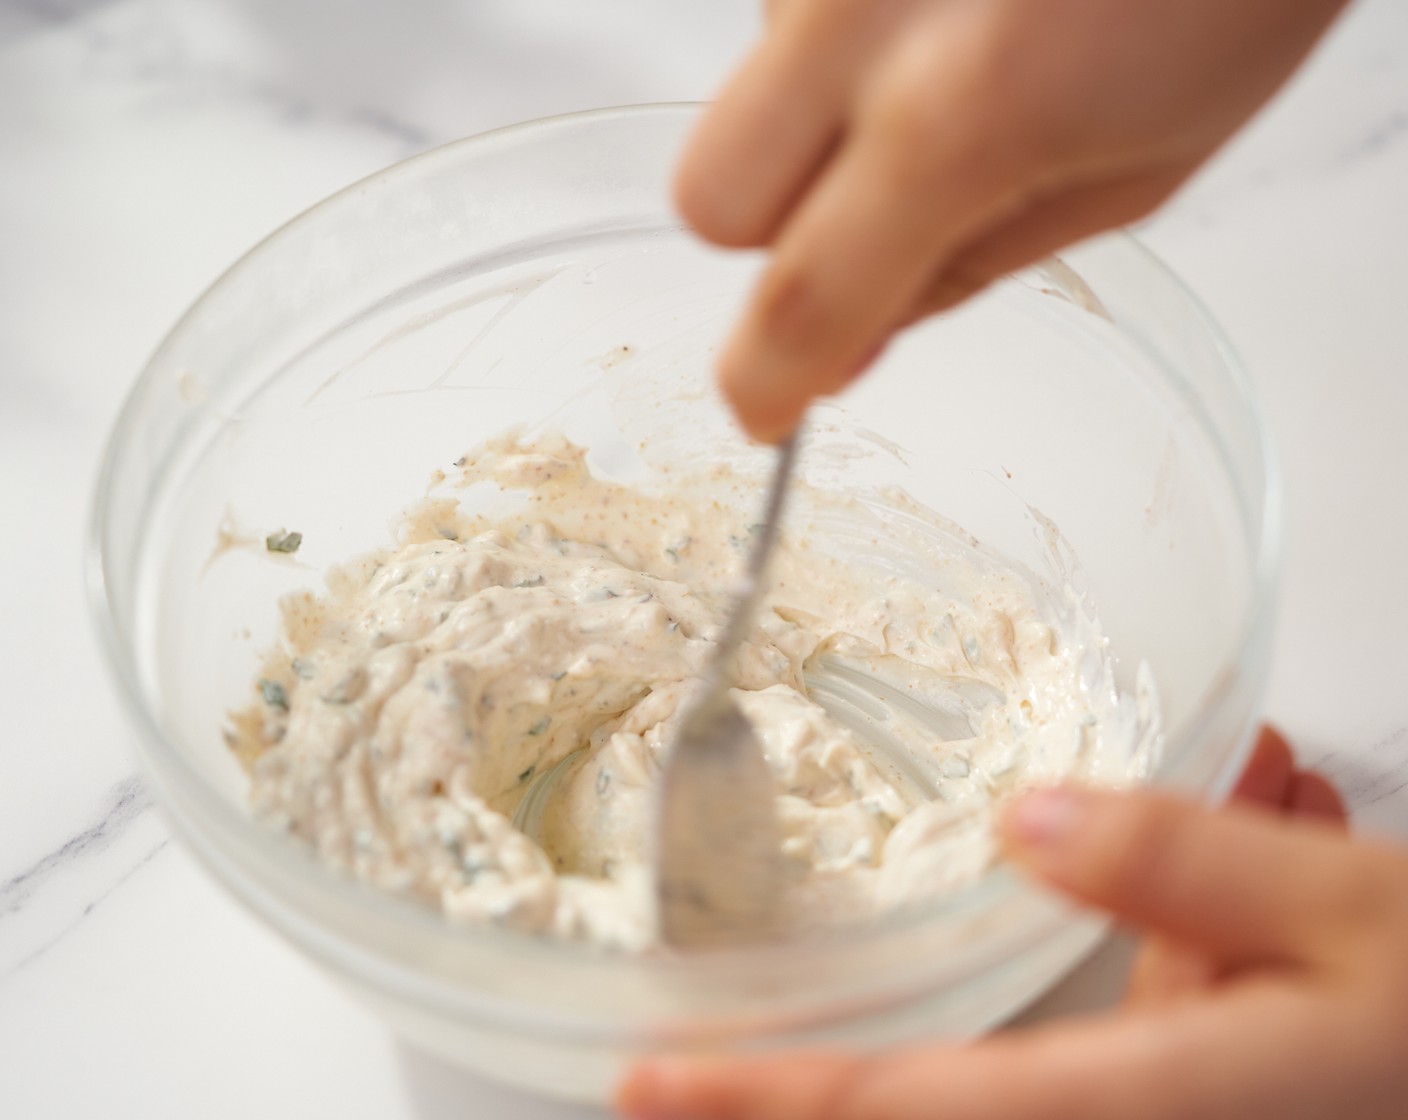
(906, 116)
(823, 29)
(837, 13)
(954, 111)
(704, 203)
(793, 313)
(1024, 80)
(1137, 845)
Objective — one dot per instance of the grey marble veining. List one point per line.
(1373, 780)
(44, 901)
(127, 801)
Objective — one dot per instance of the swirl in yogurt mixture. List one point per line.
(417, 704)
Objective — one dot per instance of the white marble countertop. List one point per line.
(144, 144)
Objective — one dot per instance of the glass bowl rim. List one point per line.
(165, 762)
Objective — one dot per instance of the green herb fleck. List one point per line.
(460, 461)
(559, 674)
(523, 777)
(282, 541)
(603, 783)
(274, 694)
(536, 581)
(539, 727)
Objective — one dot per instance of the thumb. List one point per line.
(1238, 884)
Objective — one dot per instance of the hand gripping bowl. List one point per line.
(538, 275)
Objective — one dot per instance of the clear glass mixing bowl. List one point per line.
(538, 275)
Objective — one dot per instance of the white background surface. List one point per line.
(145, 144)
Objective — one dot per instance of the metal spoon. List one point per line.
(718, 862)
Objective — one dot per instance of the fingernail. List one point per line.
(1043, 816)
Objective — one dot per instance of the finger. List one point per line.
(1134, 1064)
(841, 278)
(773, 126)
(1267, 777)
(910, 182)
(1314, 796)
(1238, 884)
(1046, 226)
(1271, 778)
(1163, 970)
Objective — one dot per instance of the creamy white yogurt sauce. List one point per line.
(415, 705)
